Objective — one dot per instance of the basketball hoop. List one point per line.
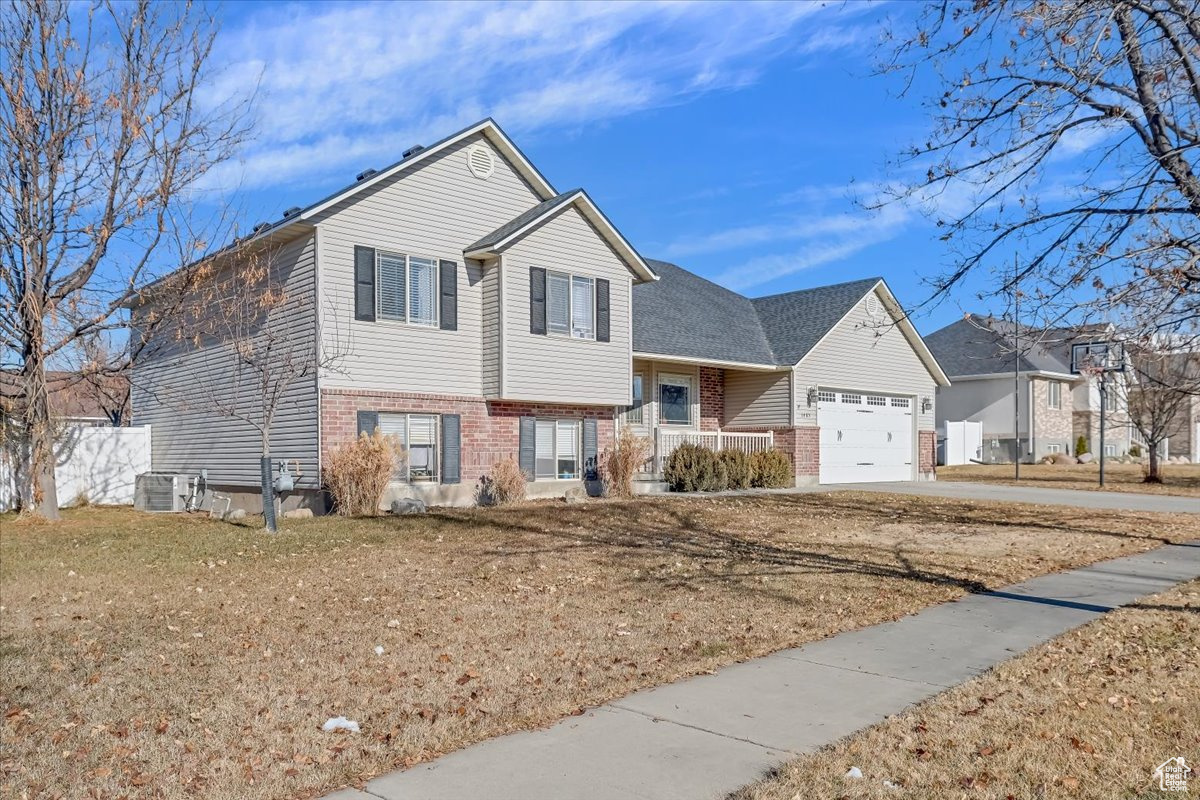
(1094, 359)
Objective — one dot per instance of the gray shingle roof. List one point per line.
(682, 314)
(978, 345)
(794, 322)
(685, 315)
(521, 220)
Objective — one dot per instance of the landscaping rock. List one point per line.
(409, 505)
(298, 513)
(576, 494)
(1085, 458)
(236, 515)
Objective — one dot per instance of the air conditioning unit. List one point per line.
(161, 491)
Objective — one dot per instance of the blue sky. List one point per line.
(731, 139)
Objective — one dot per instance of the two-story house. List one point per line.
(1021, 387)
(480, 313)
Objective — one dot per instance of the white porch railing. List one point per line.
(668, 440)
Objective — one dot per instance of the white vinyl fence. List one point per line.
(93, 462)
(963, 443)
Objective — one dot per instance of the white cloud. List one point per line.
(346, 86)
(825, 239)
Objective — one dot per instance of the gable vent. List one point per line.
(873, 306)
(480, 161)
(366, 173)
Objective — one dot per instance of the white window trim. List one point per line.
(1054, 388)
(675, 379)
(408, 283)
(578, 449)
(1053, 448)
(437, 446)
(570, 334)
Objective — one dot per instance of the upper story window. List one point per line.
(570, 305)
(1110, 399)
(1054, 394)
(407, 288)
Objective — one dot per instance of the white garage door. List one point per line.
(865, 437)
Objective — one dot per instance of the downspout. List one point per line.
(1032, 435)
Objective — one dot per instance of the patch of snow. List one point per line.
(340, 724)
(854, 772)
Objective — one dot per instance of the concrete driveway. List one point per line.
(1116, 501)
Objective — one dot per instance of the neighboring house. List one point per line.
(1184, 430)
(75, 399)
(486, 315)
(989, 367)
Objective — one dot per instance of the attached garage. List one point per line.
(865, 437)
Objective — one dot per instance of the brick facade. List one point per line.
(926, 453)
(712, 398)
(489, 428)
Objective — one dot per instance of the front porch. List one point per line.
(716, 406)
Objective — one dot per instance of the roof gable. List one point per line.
(795, 322)
(533, 218)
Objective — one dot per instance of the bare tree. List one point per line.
(103, 139)
(1110, 87)
(246, 315)
(1164, 386)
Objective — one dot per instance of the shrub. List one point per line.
(1135, 451)
(357, 474)
(622, 461)
(771, 470)
(737, 469)
(692, 468)
(504, 485)
(1081, 445)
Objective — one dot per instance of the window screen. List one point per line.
(423, 291)
(583, 308)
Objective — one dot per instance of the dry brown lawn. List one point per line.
(1179, 479)
(168, 656)
(1087, 715)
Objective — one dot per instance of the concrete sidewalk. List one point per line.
(707, 736)
(1080, 498)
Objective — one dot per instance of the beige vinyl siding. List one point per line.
(434, 209)
(556, 368)
(757, 398)
(491, 331)
(861, 354)
(179, 390)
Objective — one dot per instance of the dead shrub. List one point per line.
(693, 468)
(504, 485)
(357, 474)
(771, 470)
(622, 461)
(737, 468)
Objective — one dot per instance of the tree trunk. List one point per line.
(43, 489)
(1153, 475)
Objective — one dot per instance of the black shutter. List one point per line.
(526, 450)
(451, 448)
(601, 310)
(364, 283)
(368, 421)
(590, 461)
(449, 298)
(537, 301)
